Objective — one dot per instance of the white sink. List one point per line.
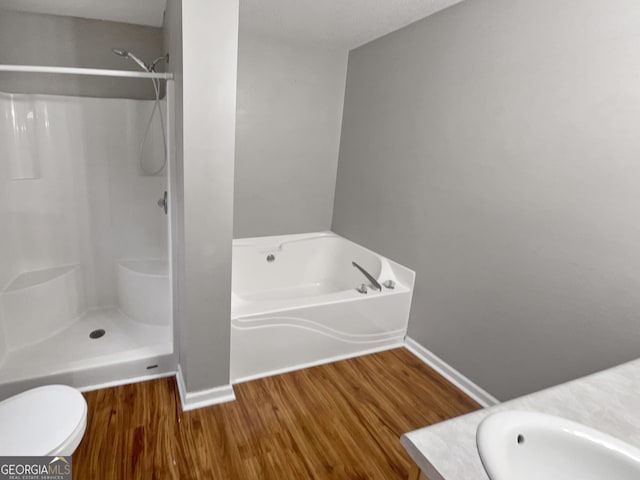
(518, 445)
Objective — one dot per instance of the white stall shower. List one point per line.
(84, 245)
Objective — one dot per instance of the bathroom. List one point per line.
(475, 158)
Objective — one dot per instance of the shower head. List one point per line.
(125, 53)
(119, 51)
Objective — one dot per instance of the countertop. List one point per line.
(608, 401)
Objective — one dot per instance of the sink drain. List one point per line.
(97, 333)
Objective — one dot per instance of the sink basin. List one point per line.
(528, 445)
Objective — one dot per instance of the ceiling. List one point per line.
(344, 24)
(140, 12)
(340, 24)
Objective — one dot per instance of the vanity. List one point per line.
(608, 401)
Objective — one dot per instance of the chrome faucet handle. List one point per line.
(163, 203)
(362, 289)
(374, 283)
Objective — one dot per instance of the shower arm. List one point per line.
(152, 67)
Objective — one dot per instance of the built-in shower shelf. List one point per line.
(40, 303)
(38, 277)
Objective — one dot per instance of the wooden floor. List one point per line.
(341, 420)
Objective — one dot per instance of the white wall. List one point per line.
(289, 115)
(494, 148)
(72, 191)
(172, 42)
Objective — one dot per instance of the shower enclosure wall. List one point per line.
(85, 283)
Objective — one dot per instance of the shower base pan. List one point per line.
(128, 350)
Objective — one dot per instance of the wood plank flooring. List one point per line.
(337, 421)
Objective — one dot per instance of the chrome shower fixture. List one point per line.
(156, 107)
(147, 68)
(159, 59)
(128, 54)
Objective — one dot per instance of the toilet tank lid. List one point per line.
(37, 421)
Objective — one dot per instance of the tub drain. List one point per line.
(97, 333)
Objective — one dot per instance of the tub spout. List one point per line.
(374, 282)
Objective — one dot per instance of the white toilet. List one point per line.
(44, 421)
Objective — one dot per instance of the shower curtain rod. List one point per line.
(97, 72)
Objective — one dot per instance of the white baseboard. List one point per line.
(126, 381)
(447, 371)
(202, 398)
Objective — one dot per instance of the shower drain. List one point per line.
(97, 333)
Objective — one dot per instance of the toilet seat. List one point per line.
(47, 420)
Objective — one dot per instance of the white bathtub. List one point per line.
(295, 303)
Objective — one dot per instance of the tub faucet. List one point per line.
(374, 282)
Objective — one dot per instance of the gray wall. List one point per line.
(34, 39)
(290, 100)
(494, 148)
(208, 78)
